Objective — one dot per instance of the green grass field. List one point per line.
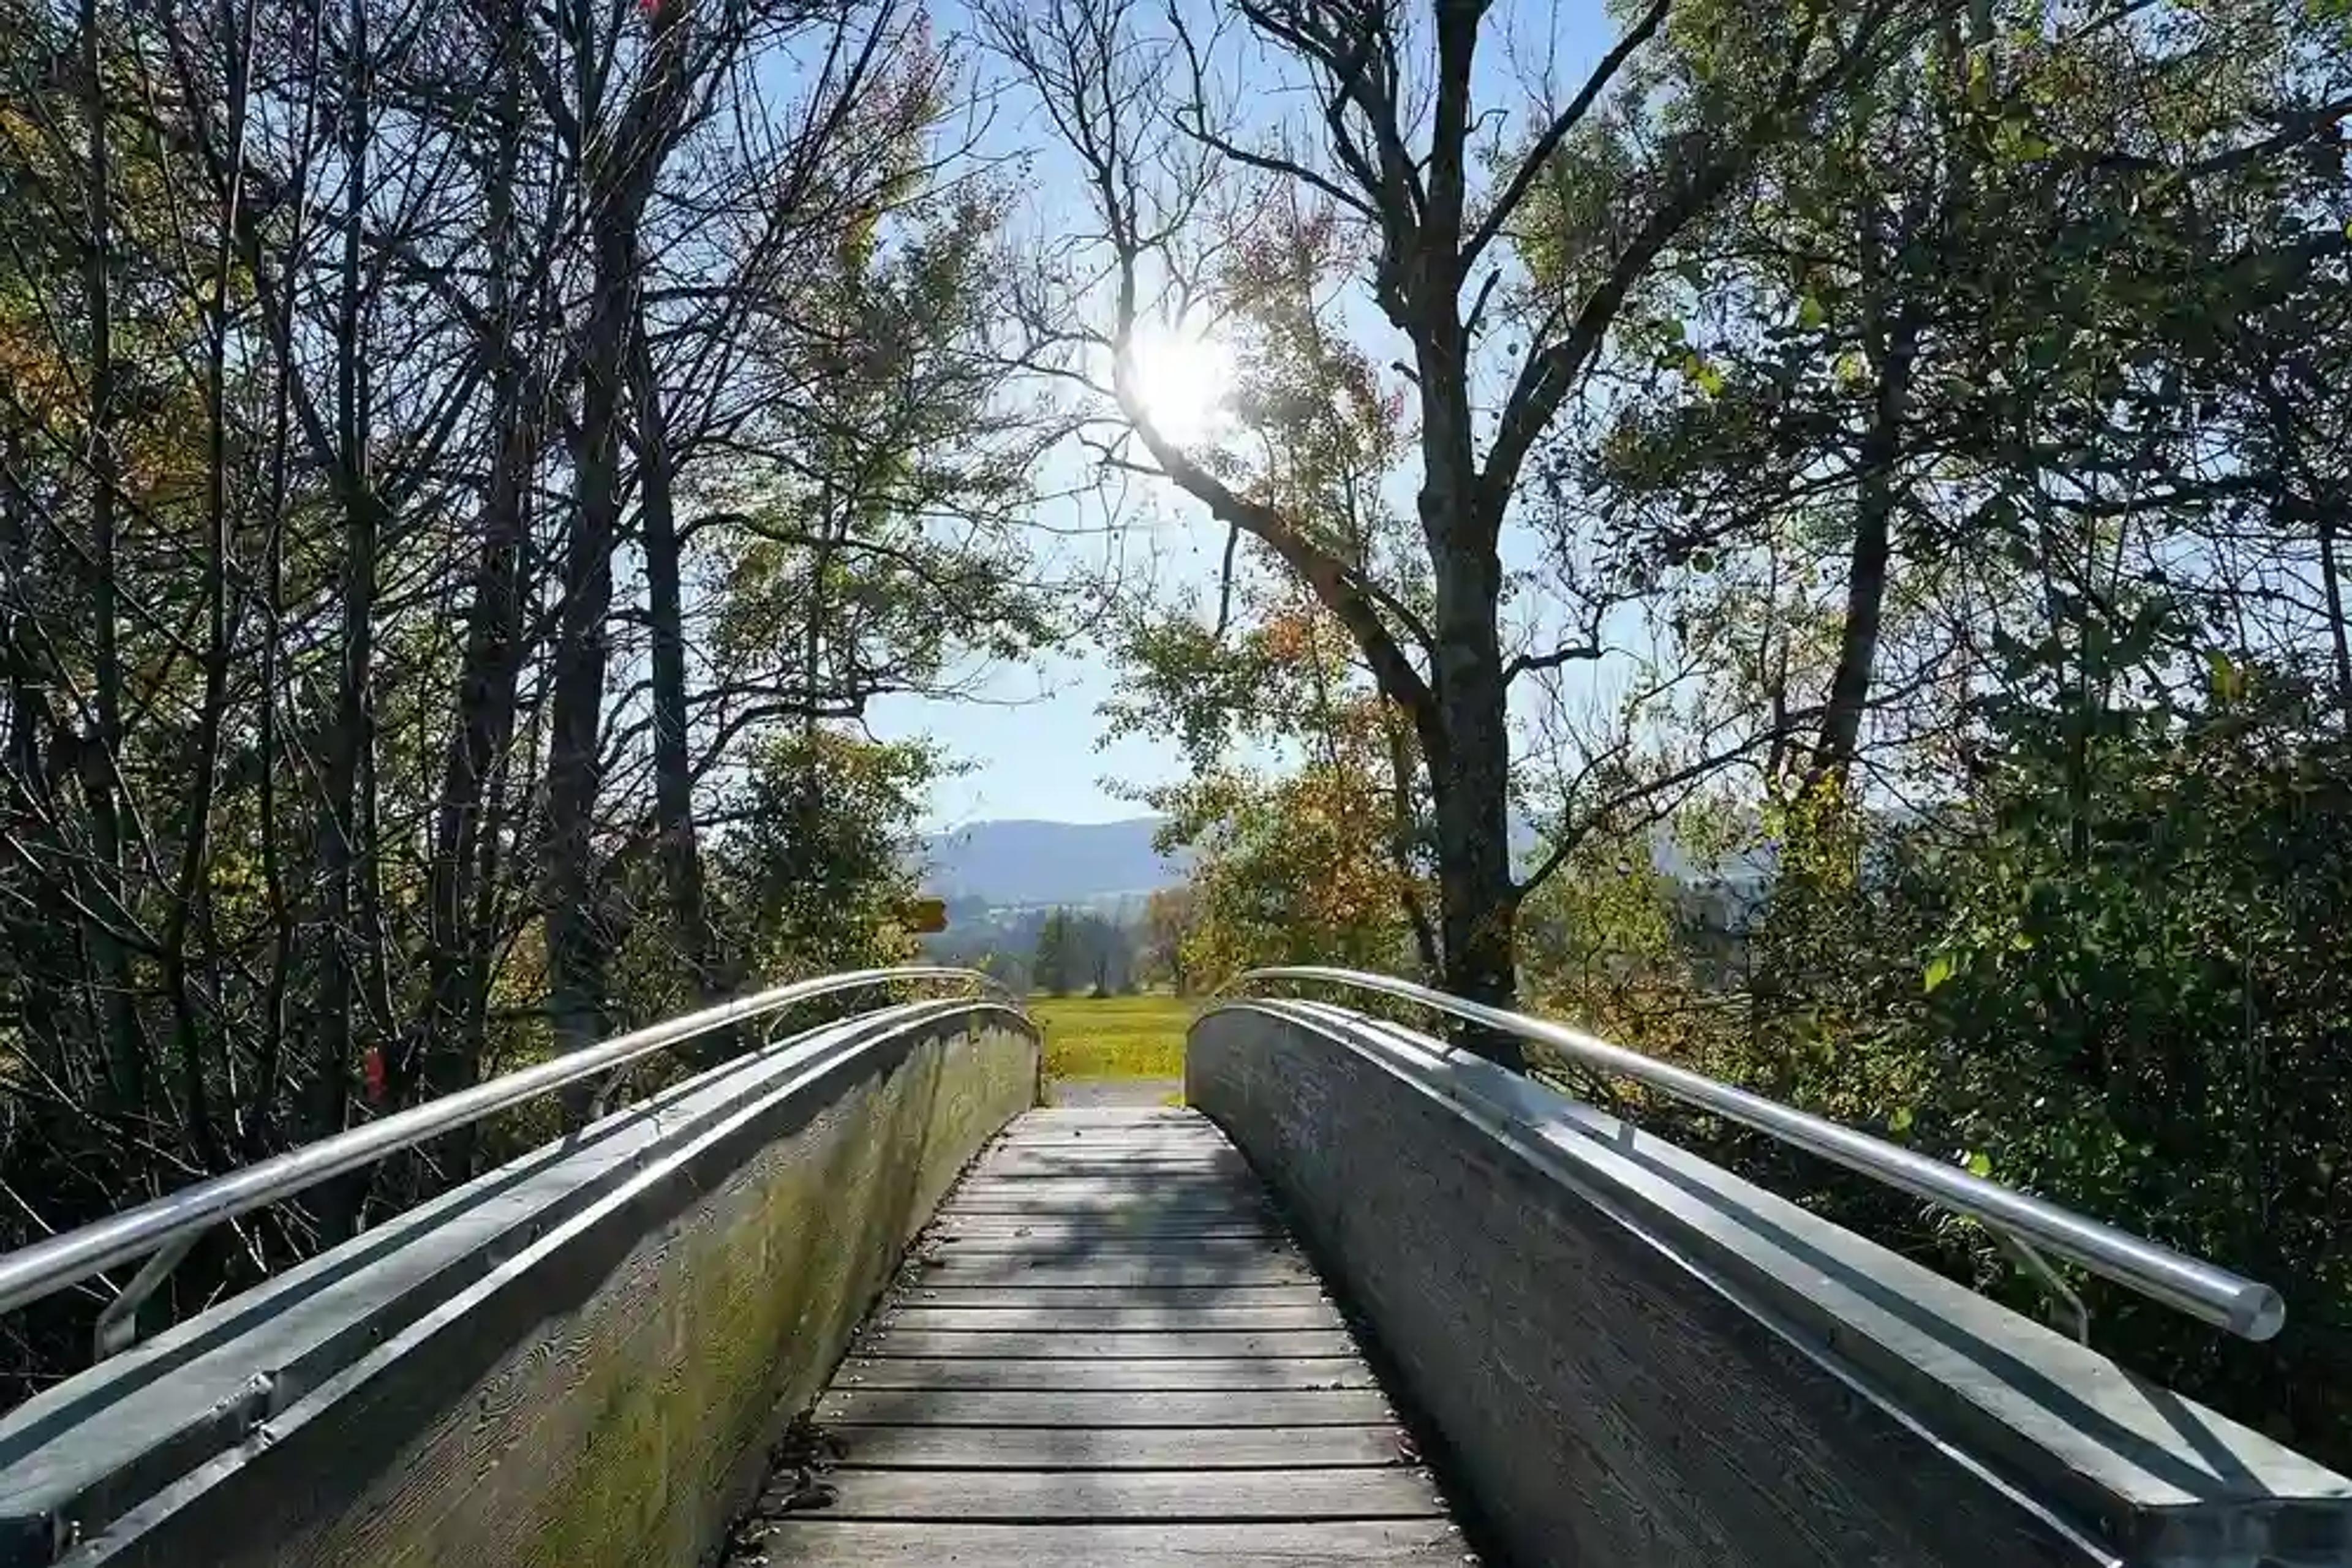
(1117, 1036)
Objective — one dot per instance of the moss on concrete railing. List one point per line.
(579, 1360)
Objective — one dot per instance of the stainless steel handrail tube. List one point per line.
(52, 1265)
(2244, 1307)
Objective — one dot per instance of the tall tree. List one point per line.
(1054, 964)
(326, 535)
(1390, 147)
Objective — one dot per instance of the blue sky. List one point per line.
(1031, 745)
(1032, 742)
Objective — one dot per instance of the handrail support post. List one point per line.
(2066, 1308)
(117, 1329)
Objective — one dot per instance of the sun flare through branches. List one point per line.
(1180, 378)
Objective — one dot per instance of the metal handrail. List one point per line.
(168, 1225)
(2205, 1290)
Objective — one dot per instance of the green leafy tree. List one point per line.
(1171, 919)
(1056, 963)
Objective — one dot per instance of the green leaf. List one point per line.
(1979, 1164)
(1708, 379)
(1900, 1122)
(1810, 312)
(1939, 970)
(2229, 680)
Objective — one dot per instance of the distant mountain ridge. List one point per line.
(1024, 862)
(1112, 866)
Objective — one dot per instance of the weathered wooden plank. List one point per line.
(1204, 1140)
(1151, 1179)
(965, 1297)
(987, 1407)
(1112, 1189)
(1086, 1229)
(1027, 1202)
(1164, 1375)
(1156, 1151)
(1119, 1186)
(814, 1541)
(1188, 1164)
(1079, 1497)
(1158, 1175)
(1119, 1447)
(1114, 1116)
(1141, 1115)
(1194, 1343)
(1106, 1209)
(1100, 1123)
(1176, 1162)
(1148, 1268)
(1150, 1314)
(1200, 1135)
(1088, 1245)
(1196, 1133)
(1115, 1182)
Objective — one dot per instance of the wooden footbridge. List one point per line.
(854, 1298)
(1108, 1351)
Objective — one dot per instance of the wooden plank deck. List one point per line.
(1111, 1357)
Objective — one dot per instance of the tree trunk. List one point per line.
(1892, 348)
(195, 830)
(127, 1044)
(349, 740)
(263, 1119)
(575, 936)
(1401, 844)
(1477, 900)
(448, 1057)
(1469, 775)
(622, 163)
(676, 849)
(2331, 577)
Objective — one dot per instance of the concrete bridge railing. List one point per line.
(1623, 1353)
(1631, 1357)
(580, 1359)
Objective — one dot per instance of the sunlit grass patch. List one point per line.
(1113, 1036)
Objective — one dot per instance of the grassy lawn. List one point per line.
(1118, 1036)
